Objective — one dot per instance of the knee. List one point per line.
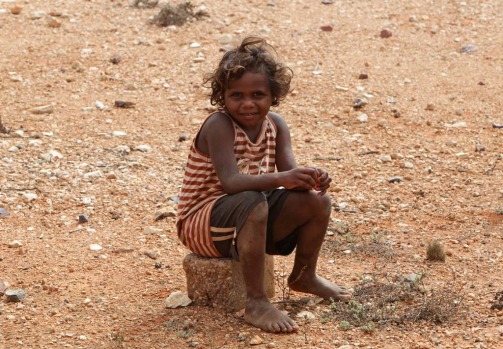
(322, 204)
(260, 212)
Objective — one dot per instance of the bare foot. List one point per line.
(262, 314)
(320, 287)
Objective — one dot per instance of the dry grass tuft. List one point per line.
(399, 301)
(435, 252)
(3, 129)
(374, 245)
(498, 301)
(174, 15)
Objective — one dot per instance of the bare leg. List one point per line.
(309, 213)
(251, 242)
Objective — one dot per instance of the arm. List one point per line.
(220, 147)
(285, 160)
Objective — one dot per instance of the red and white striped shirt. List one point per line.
(201, 187)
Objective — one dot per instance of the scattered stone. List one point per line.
(119, 134)
(16, 10)
(151, 255)
(183, 137)
(359, 102)
(83, 218)
(497, 125)
(95, 247)
(116, 59)
(385, 34)
(44, 109)
(327, 28)
(430, 107)
(362, 118)
(363, 76)
(3, 287)
(14, 244)
(385, 158)
(480, 148)
(15, 295)
(99, 105)
(165, 212)
(396, 179)
(53, 23)
(327, 2)
(256, 340)
(124, 104)
(177, 299)
(3, 212)
(144, 148)
(468, 48)
(306, 315)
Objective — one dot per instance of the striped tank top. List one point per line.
(201, 187)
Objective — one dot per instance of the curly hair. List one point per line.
(255, 55)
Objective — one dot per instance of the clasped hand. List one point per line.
(307, 178)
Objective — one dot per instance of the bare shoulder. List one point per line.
(278, 120)
(217, 127)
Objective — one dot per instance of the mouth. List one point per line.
(248, 115)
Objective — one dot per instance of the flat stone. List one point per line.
(218, 282)
(15, 295)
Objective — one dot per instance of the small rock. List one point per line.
(385, 158)
(396, 179)
(124, 104)
(306, 315)
(359, 102)
(95, 247)
(177, 299)
(256, 340)
(326, 28)
(385, 34)
(468, 49)
(165, 212)
(3, 212)
(362, 118)
(116, 59)
(99, 105)
(3, 287)
(83, 218)
(497, 125)
(183, 137)
(14, 244)
(119, 133)
(45, 109)
(430, 107)
(363, 76)
(327, 2)
(16, 10)
(144, 148)
(480, 148)
(15, 295)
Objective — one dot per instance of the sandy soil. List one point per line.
(432, 117)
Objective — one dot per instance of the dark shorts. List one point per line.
(230, 213)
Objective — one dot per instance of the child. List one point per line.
(233, 201)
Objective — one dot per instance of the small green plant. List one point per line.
(345, 325)
(369, 327)
(117, 337)
(281, 279)
(435, 252)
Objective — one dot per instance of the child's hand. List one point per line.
(323, 182)
(303, 178)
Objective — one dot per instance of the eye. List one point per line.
(258, 94)
(236, 94)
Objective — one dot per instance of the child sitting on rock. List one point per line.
(243, 194)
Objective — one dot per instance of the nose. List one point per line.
(248, 103)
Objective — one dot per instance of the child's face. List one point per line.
(248, 100)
